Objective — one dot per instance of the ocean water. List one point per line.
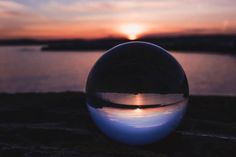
(27, 69)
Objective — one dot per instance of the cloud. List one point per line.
(10, 9)
(112, 6)
(8, 5)
(101, 16)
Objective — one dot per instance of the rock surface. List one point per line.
(58, 124)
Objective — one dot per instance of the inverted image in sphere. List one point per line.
(137, 93)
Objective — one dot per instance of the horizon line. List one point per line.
(120, 37)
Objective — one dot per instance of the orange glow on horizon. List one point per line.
(131, 31)
(111, 19)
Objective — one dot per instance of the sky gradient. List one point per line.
(45, 19)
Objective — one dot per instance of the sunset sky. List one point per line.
(45, 19)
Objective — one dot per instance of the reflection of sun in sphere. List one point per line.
(138, 110)
(137, 93)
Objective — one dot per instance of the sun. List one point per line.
(131, 31)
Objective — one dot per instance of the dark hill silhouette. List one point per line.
(207, 43)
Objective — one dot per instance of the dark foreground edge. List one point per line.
(58, 124)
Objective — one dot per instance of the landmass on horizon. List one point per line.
(206, 43)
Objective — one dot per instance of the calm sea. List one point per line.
(27, 69)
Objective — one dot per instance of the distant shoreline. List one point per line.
(210, 43)
(191, 43)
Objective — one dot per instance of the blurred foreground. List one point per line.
(58, 124)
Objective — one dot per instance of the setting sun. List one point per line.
(132, 31)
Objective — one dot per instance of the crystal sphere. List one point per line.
(137, 93)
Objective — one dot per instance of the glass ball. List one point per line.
(137, 93)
